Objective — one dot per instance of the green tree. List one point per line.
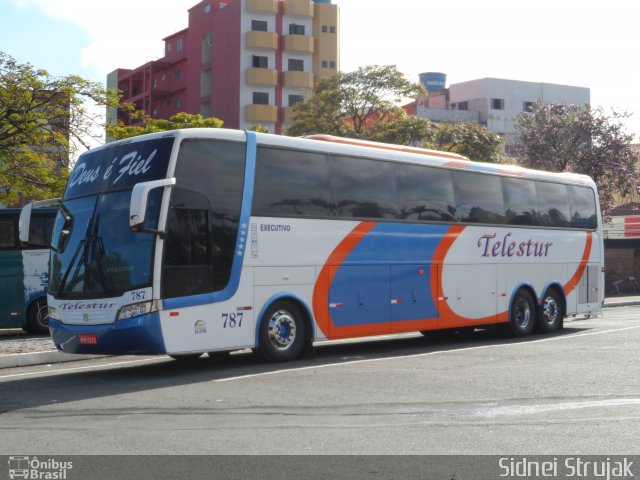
(558, 137)
(146, 124)
(44, 121)
(353, 104)
(403, 129)
(466, 138)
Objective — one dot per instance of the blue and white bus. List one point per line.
(24, 270)
(213, 240)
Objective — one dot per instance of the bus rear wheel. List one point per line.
(282, 332)
(38, 317)
(522, 315)
(551, 313)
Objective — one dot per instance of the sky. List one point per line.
(572, 42)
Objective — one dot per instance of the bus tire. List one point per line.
(551, 312)
(282, 334)
(38, 317)
(522, 315)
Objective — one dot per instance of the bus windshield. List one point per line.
(94, 253)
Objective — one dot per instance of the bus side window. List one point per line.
(7, 232)
(188, 268)
(40, 230)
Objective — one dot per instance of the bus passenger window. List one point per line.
(7, 233)
(554, 204)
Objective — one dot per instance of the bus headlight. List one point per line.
(54, 313)
(137, 309)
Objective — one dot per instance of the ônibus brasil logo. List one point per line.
(33, 468)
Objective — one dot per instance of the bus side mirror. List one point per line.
(24, 221)
(138, 206)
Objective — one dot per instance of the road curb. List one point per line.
(39, 358)
(622, 303)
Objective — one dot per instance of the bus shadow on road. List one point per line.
(49, 387)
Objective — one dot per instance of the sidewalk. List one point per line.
(22, 351)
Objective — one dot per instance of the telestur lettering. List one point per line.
(85, 306)
(510, 248)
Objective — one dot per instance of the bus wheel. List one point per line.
(522, 315)
(282, 332)
(551, 313)
(38, 317)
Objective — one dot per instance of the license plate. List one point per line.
(88, 339)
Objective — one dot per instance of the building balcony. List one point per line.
(262, 40)
(261, 76)
(288, 115)
(262, 6)
(298, 43)
(298, 7)
(298, 79)
(261, 113)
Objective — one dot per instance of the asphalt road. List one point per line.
(574, 393)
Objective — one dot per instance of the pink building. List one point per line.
(243, 61)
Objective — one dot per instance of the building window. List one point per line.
(528, 106)
(497, 104)
(325, 29)
(178, 103)
(259, 25)
(325, 64)
(296, 29)
(177, 73)
(296, 65)
(164, 77)
(260, 61)
(332, 29)
(179, 44)
(463, 106)
(332, 64)
(260, 98)
(168, 47)
(207, 8)
(154, 111)
(293, 99)
(155, 83)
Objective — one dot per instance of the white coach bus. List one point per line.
(212, 240)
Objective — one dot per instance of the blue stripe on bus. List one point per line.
(241, 242)
(392, 262)
(138, 335)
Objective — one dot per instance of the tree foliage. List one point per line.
(466, 138)
(558, 137)
(44, 121)
(146, 124)
(353, 104)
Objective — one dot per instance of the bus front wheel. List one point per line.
(38, 317)
(282, 332)
(522, 315)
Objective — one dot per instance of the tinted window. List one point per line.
(554, 204)
(363, 188)
(7, 232)
(291, 183)
(583, 207)
(40, 230)
(213, 174)
(478, 198)
(520, 201)
(425, 193)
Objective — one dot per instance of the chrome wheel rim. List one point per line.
(523, 313)
(550, 310)
(282, 330)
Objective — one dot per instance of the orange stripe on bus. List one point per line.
(575, 280)
(321, 289)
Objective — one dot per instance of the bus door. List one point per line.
(412, 296)
(469, 295)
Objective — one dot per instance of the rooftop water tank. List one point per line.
(433, 81)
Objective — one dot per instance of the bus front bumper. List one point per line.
(134, 336)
